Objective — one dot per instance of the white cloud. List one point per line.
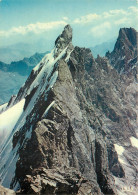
(116, 17)
(101, 29)
(108, 23)
(134, 9)
(65, 18)
(98, 24)
(36, 28)
(114, 13)
(121, 21)
(87, 18)
(94, 16)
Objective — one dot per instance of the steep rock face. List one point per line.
(64, 40)
(102, 97)
(77, 132)
(124, 55)
(63, 124)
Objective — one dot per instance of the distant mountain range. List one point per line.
(101, 49)
(12, 76)
(22, 67)
(18, 51)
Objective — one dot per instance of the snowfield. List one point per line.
(8, 120)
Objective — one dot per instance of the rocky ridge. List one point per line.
(125, 52)
(77, 132)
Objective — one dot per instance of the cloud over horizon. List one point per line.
(98, 23)
(115, 19)
(93, 22)
(87, 19)
(36, 28)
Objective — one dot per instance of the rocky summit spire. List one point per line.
(64, 40)
(125, 50)
(127, 36)
(65, 37)
(131, 35)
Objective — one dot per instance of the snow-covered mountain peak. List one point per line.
(42, 72)
(34, 95)
(72, 127)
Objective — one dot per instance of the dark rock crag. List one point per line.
(125, 52)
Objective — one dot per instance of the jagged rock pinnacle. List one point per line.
(66, 36)
(64, 39)
(127, 36)
(125, 50)
(131, 35)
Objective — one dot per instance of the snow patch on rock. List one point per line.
(46, 111)
(134, 142)
(119, 149)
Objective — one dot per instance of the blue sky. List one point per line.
(93, 21)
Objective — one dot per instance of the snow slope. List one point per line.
(8, 119)
(3, 107)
